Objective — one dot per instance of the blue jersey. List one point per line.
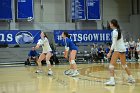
(70, 44)
(107, 50)
(32, 53)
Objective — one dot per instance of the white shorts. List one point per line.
(47, 52)
(138, 49)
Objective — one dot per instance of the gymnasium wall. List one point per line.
(55, 15)
(122, 10)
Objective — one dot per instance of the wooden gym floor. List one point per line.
(90, 80)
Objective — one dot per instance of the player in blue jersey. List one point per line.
(70, 46)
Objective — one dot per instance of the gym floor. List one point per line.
(90, 80)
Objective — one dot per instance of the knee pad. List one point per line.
(72, 62)
(124, 66)
(48, 62)
(111, 66)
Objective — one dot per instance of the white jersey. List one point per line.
(45, 45)
(138, 46)
(126, 44)
(117, 45)
(132, 44)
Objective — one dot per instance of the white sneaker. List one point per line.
(50, 72)
(38, 71)
(68, 72)
(110, 83)
(76, 73)
(131, 80)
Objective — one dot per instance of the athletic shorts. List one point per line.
(48, 52)
(131, 48)
(138, 48)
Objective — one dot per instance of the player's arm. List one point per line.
(37, 46)
(114, 40)
(66, 50)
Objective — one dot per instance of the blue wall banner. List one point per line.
(19, 36)
(93, 9)
(5, 10)
(73, 9)
(85, 35)
(78, 9)
(25, 9)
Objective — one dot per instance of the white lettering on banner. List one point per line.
(75, 36)
(59, 37)
(79, 37)
(91, 3)
(107, 37)
(21, 0)
(8, 38)
(85, 37)
(90, 37)
(2, 37)
(95, 36)
(102, 37)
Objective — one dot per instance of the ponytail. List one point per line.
(45, 34)
(115, 24)
(119, 32)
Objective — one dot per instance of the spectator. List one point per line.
(127, 49)
(101, 53)
(107, 49)
(32, 55)
(106, 52)
(94, 53)
(132, 47)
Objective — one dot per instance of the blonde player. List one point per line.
(138, 48)
(119, 52)
(126, 44)
(46, 53)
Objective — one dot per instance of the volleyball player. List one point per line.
(70, 46)
(46, 53)
(132, 47)
(138, 48)
(119, 52)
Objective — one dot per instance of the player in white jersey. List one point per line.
(138, 48)
(126, 44)
(46, 53)
(119, 52)
(132, 47)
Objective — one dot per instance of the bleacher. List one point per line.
(14, 56)
(83, 55)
